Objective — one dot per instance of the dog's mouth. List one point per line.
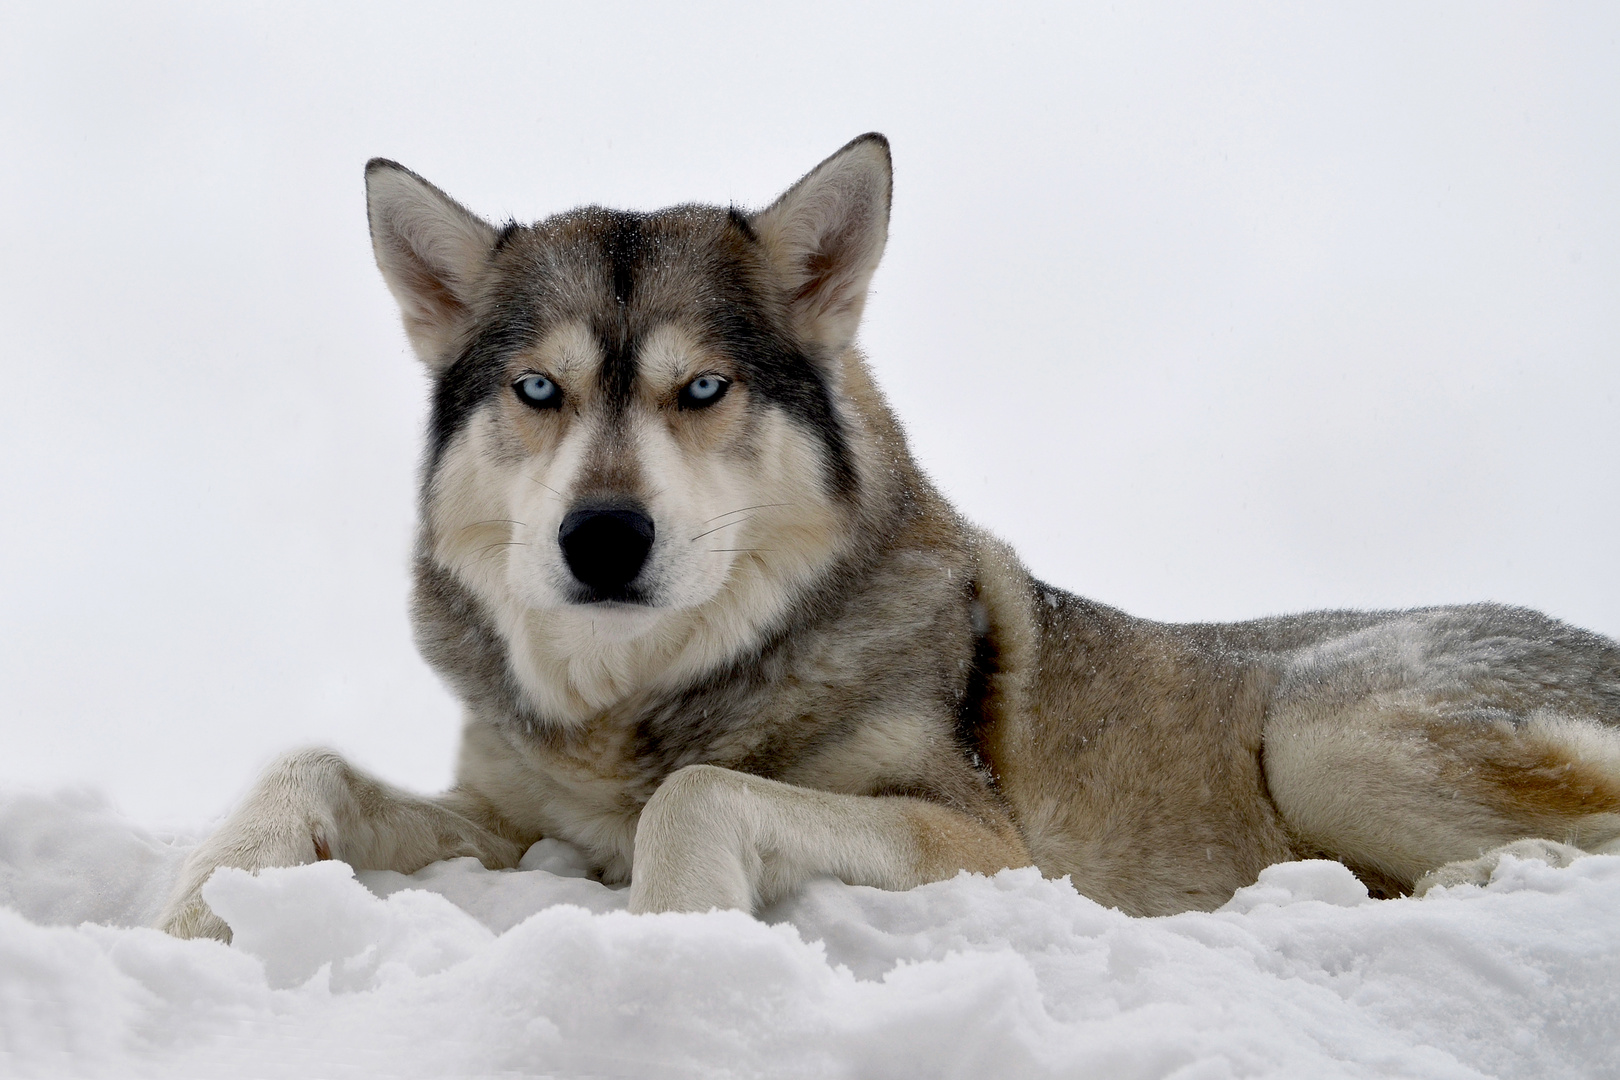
(627, 599)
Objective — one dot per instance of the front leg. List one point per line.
(716, 838)
(313, 805)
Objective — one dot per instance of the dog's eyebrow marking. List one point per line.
(568, 349)
(668, 354)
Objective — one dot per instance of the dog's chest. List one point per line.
(586, 785)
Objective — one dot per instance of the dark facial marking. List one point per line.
(777, 368)
(475, 376)
(624, 246)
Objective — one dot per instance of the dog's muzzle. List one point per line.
(606, 547)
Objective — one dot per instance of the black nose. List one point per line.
(606, 546)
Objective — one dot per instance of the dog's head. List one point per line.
(634, 414)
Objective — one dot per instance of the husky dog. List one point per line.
(711, 624)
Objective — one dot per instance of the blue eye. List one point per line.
(538, 391)
(704, 391)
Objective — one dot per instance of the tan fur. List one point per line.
(1536, 775)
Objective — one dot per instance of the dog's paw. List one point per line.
(252, 844)
(1479, 871)
(190, 917)
(692, 853)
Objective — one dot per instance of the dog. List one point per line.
(710, 623)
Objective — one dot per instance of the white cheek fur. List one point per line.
(539, 496)
(735, 541)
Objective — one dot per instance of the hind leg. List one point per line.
(1423, 795)
(313, 805)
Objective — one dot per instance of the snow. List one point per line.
(460, 971)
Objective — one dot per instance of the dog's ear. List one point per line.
(431, 251)
(825, 236)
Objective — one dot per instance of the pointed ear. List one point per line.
(825, 237)
(431, 251)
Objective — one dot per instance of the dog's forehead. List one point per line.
(624, 272)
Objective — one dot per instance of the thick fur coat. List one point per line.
(710, 622)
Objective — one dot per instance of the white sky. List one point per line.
(1214, 311)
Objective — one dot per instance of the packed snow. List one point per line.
(539, 971)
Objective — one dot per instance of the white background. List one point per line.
(1214, 311)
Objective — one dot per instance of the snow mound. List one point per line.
(459, 971)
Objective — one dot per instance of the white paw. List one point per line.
(189, 917)
(252, 846)
(1479, 871)
(692, 850)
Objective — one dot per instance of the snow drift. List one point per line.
(459, 971)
